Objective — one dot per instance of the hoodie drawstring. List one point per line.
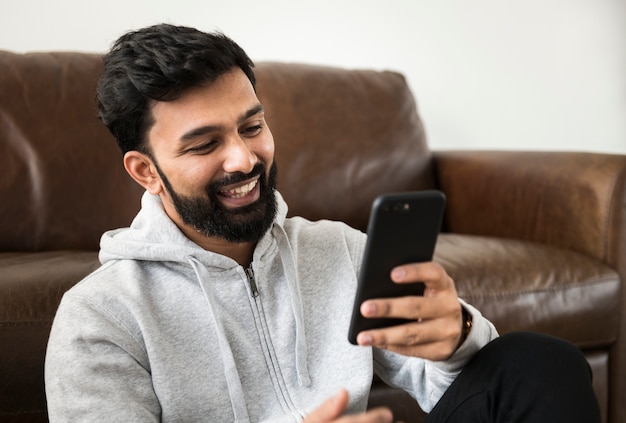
(291, 273)
(233, 381)
(231, 373)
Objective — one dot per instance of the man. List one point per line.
(213, 306)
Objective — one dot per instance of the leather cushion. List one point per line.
(521, 285)
(31, 287)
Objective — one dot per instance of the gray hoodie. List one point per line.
(167, 331)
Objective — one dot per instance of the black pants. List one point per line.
(521, 377)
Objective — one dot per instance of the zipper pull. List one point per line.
(252, 281)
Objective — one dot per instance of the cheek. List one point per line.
(191, 178)
(199, 177)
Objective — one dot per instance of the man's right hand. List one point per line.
(332, 409)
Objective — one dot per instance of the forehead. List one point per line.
(220, 104)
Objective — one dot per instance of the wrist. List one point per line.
(466, 326)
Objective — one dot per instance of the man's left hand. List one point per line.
(436, 318)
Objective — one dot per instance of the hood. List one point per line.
(153, 236)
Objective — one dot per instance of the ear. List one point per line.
(142, 169)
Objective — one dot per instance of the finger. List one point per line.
(415, 334)
(375, 415)
(331, 409)
(409, 334)
(432, 274)
(433, 339)
(412, 308)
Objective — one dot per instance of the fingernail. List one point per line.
(398, 274)
(368, 309)
(365, 339)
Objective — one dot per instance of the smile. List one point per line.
(240, 191)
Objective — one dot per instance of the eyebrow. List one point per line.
(203, 130)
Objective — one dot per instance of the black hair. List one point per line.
(159, 63)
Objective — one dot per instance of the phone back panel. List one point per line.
(402, 229)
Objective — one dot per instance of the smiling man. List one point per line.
(214, 306)
(215, 145)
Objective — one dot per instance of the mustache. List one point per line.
(233, 178)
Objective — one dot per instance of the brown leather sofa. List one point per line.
(536, 240)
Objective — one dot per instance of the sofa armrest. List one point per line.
(570, 200)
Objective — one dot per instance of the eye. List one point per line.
(203, 148)
(252, 130)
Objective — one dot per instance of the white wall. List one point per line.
(487, 74)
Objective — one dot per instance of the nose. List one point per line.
(238, 157)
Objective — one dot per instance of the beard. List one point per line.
(208, 216)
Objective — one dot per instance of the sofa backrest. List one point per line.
(342, 137)
(62, 182)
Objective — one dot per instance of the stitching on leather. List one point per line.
(26, 323)
(543, 290)
(608, 246)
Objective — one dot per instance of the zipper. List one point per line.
(252, 281)
(282, 392)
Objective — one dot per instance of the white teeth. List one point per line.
(242, 190)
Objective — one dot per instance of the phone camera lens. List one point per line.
(401, 207)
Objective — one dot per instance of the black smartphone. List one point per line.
(403, 228)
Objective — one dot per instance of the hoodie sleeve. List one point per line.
(426, 380)
(87, 351)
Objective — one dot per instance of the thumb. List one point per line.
(331, 409)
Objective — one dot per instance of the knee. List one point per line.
(542, 377)
(533, 353)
